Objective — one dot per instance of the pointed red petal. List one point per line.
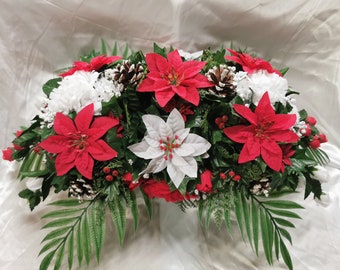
(246, 113)
(189, 94)
(175, 59)
(65, 162)
(149, 85)
(264, 107)
(287, 136)
(164, 96)
(271, 154)
(157, 63)
(284, 121)
(84, 164)
(100, 126)
(84, 118)
(97, 62)
(55, 144)
(250, 151)
(100, 150)
(192, 68)
(239, 133)
(63, 125)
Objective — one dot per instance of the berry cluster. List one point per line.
(220, 121)
(110, 173)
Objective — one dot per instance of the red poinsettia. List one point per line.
(171, 76)
(250, 64)
(287, 153)
(96, 63)
(77, 143)
(261, 137)
(160, 189)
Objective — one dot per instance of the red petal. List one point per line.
(175, 59)
(284, 121)
(239, 133)
(55, 144)
(272, 154)
(189, 94)
(149, 85)
(97, 62)
(63, 125)
(101, 151)
(163, 97)
(84, 164)
(250, 151)
(199, 81)
(157, 63)
(264, 107)
(84, 118)
(287, 136)
(100, 126)
(65, 162)
(246, 113)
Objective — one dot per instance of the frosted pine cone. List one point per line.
(79, 188)
(223, 78)
(128, 73)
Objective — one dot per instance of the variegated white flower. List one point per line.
(170, 145)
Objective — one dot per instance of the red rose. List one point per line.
(206, 185)
(160, 189)
(315, 143)
(311, 120)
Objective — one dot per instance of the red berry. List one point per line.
(106, 170)
(221, 126)
(323, 138)
(236, 178)
(231, 173)
(223, 176)
(315, 143)
(306, 131)
(115, 173)
(224, 118)
(109, 177)
(218, 120)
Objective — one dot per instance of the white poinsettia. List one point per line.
(170, 145)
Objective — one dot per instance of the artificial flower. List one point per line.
(251, 64)
(95, 64)
(261, 137)
(77, 143)
(287, 153)
(171, 76)
(170, 145)
(160, 189)
(7, 154)
(206, 184)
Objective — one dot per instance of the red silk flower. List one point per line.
(96, 63)
(160, 189)
(171, 76)
(206, 184)
(250, 64)
(261, 137)
(77, 143)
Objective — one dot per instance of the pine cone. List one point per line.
(261, 187)
(80, 188)
(127, 73)
(223, 78)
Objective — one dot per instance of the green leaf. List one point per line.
(69, 202)
(227, 219)
(117, 209)
(55, 233)
(59, 257)
(70, 250)
(59, 222)
(61, 213)
(285, 234)
(267, 244)
(159, 50)
(126, 51)
(238, 213)
(255, 226)
(86, 239)
(132, 202)
(115, 49)
(285, 213)
(284, 71)
(284, 222)
(246, 216)
(50, 85)
(50, 244)
(104, 50)
(148, 204)
(79, 244)
(282, 204)
(47, 260)
(285, 255)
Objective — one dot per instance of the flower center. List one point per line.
(262, 129)
(79, 141)
(173, 78)
(168, 145)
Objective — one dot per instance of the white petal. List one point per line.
(152, 124)
(185, 150)
(156, 165)
(198, 143)
(165, 131)
(143, 150)
(152, 141)
(187, 165)
(182, 134)
(175, 121)
(176, 175)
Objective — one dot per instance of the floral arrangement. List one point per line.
(217, 130)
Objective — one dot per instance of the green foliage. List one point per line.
(50, 85)
(258, 219)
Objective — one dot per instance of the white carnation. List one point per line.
(77, 91)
